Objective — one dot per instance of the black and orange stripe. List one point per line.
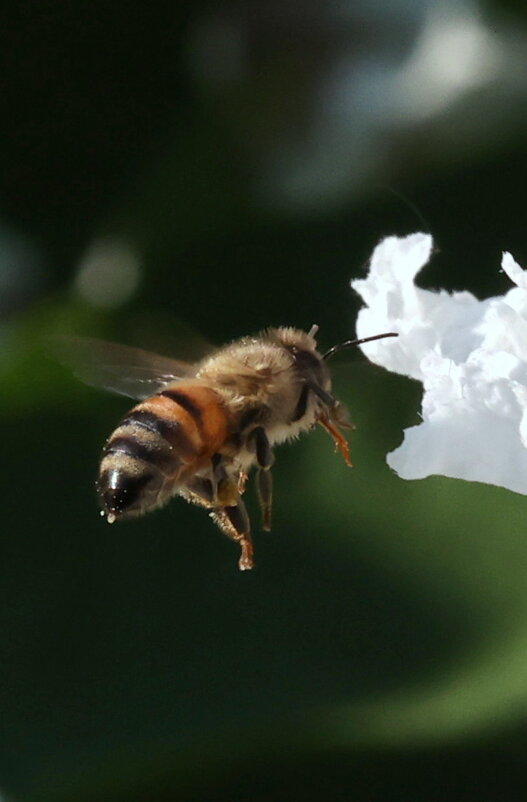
(159, 445)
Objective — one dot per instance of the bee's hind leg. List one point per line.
(234, 521)
(228, 510)
(219, 492)
(239, 521)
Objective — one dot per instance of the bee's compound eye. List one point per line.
(121, 493)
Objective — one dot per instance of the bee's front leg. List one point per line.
(341, 444)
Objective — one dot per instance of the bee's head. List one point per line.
(307, 360)
(310, 364)
(303, 347)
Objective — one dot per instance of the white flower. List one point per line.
(471, 357)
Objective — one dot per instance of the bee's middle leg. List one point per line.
(264, 487)
(264, 479)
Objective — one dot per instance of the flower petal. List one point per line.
(471, 357)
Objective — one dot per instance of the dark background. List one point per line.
(378, 650)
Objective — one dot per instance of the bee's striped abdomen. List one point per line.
(161, 442)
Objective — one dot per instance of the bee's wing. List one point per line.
(119, 368)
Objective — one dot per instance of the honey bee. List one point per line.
(200, 428)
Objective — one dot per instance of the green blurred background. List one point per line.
(218, 168)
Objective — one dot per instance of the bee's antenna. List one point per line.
(351, 343)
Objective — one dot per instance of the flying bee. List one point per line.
(200, 428)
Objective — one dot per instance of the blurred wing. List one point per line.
(119, 368)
